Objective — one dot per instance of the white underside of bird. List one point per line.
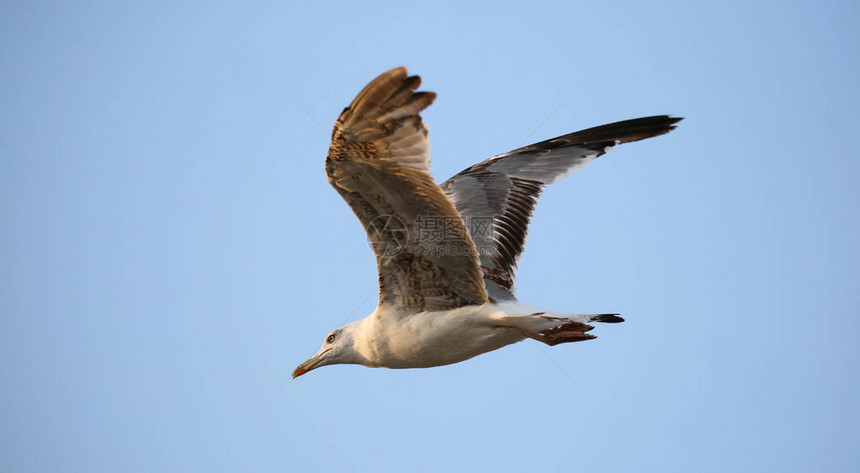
(391, 338)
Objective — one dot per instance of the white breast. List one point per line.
(395, 340)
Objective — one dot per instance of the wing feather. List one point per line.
(379, 162)
(504, 189)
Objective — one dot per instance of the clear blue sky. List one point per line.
(171, 248)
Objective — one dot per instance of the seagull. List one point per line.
(446, 254)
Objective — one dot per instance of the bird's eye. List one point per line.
(330, 339)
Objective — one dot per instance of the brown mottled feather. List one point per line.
(379, 162)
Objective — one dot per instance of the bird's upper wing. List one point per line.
(496, 197)
(379, 162)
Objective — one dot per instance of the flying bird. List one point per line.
(446, 254)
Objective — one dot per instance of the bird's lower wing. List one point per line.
(496, 197)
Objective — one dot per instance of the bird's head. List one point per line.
(337, 348)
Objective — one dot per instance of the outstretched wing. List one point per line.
(496, 197)
(379, 162)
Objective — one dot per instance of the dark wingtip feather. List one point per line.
(628, 130)
(600, 137)
(607, 318)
